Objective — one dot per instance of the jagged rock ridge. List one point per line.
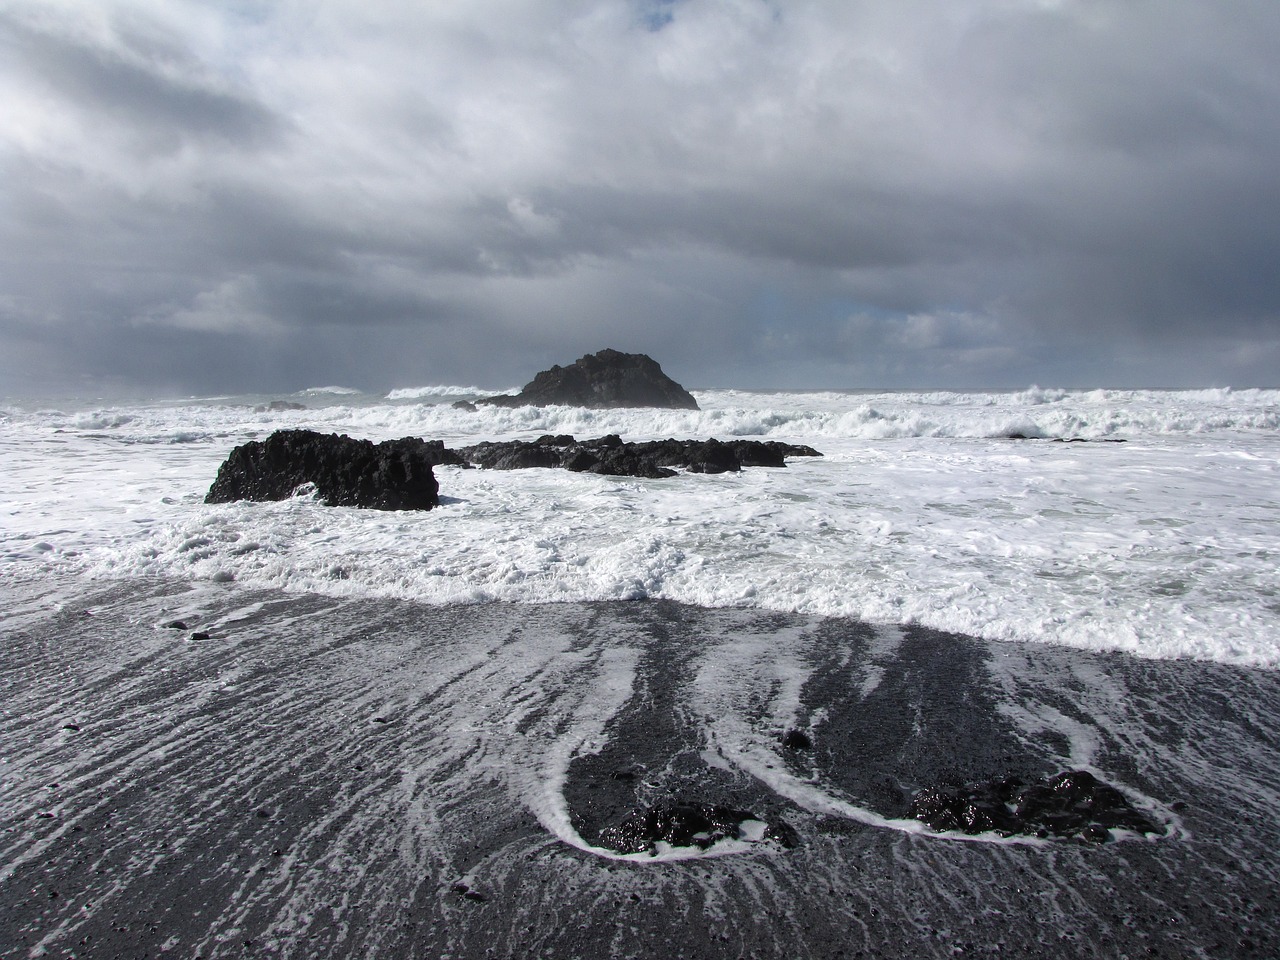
(611, 456)
(398, 475)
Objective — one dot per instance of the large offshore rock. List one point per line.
(393, 475)
(605, 379)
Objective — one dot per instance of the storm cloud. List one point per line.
(268, 196)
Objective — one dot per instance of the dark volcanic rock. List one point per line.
(393, 475)
(610, 456)
(797, 740)
(1071, 804)
(604, 379)
(1018, 435)
(681, 824)
(769, 453)
(697, 456)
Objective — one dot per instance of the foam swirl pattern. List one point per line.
(304, 775)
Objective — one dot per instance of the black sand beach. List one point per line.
(299, 776)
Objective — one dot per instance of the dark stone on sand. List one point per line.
(175, 625)
(392, 475)
(1072, 804)
(610, 456)
(71, 727)
(606, 379)
(200, 635)
(797, 740)
(682, 824)
(467, 892)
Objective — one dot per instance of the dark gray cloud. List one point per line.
(203, 196)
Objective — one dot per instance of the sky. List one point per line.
(248, 196)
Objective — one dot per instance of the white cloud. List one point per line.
(1098, 170)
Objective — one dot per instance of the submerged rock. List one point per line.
(279, 406)
(1071, 804)
(393, 475)
(605, 379)
(1036, 435)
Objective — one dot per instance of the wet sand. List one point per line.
(300, 776)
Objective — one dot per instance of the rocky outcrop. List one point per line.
(612, 457)
(604, 379)
(398, 475)
(686, 824)
(1072, 804)
(393, 475)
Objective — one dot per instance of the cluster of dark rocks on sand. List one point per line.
(398, 475)
(681, 823)
(1071, 804)
(1074, 804)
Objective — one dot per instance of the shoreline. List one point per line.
(298, 775)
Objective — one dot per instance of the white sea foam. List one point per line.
(419, 393)
(920, 511)
(342, 391)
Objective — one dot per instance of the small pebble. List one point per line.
(797, 740)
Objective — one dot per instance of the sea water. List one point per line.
(950, 510)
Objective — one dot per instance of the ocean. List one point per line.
(920, 511)
(295, 730)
